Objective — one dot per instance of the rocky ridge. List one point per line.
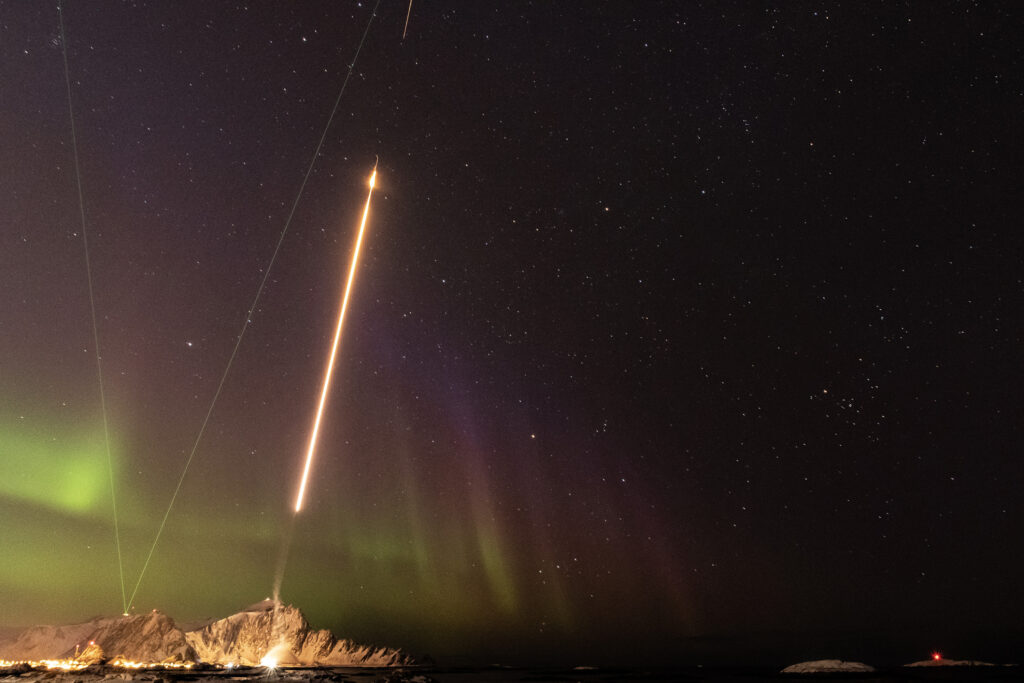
(281, 630)
(243, 639)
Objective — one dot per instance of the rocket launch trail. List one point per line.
(334, 347)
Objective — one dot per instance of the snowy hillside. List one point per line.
(49, 642)
(149, 637)
(827, 666)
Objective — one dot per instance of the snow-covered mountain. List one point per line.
(151, 637)
(281, 630)
(48, 642)
(244, 638)
(827, 666)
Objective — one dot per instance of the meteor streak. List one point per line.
(334, 346)
(407, 13)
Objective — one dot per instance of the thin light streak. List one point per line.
(92, 307)
(405, 29)
(334, 347)
(252, 308)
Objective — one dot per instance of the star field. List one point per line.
(681, 330)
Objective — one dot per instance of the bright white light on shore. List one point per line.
(269, 661)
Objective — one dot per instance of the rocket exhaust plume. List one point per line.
(334, 347)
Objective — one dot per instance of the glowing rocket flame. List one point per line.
(334, 347)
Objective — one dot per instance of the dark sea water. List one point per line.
(513, 675)
(686, 674)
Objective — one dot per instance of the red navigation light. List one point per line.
(936, 656)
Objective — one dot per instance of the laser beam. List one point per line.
(334, 347)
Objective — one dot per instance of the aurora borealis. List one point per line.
(678, 328)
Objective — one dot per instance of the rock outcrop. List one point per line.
(247, 637)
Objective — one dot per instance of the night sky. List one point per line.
(680, 329)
